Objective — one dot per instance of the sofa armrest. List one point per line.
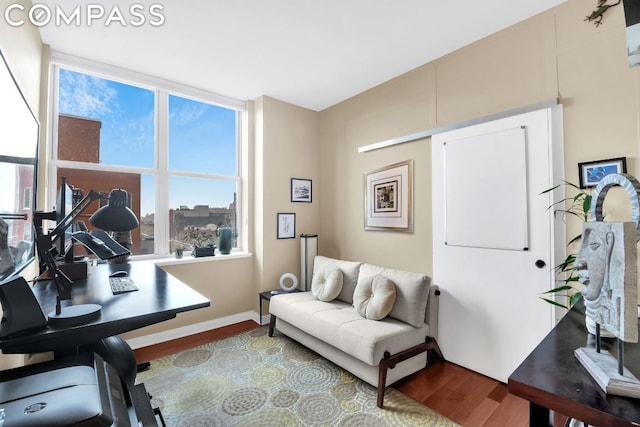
(431, 315)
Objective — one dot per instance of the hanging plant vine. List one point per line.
(597, 15)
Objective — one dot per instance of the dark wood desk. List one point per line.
(552, 378)
(160, 297)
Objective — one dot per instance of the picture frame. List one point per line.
(301, 190)
(389, 198)
(286, 225)
(591, 173)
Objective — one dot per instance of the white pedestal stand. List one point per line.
(603, 367)
(308, 252)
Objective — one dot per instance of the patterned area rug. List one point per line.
(251, 379)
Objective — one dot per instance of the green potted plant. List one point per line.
(200, 240)
(578, 206)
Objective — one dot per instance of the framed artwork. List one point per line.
(286, 226)
(592, 172)
(388, 198)
(301, 190)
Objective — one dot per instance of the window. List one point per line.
(175, 153)
(27, 197)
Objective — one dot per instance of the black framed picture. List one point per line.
(286, 225)
(592, 172)
(301, 190)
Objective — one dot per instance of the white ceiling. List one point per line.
(310, 53)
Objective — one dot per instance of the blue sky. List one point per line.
(202, 136)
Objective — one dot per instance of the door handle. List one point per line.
(540, 263)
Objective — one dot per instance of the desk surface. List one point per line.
(160, 297)
(551, 377)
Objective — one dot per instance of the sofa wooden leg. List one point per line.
(432, 344)
(272, 325)
(382, 381)
(390, 361)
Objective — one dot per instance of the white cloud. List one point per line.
(84, 95)
(187, 114)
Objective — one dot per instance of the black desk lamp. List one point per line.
(117, 218)
(116, 215)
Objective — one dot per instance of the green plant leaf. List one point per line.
(558, 289)
(571, 184)
(573, 299)
(575, 239)
(567, 264)
(554, 303)
(586, 207)
(548, 190)
(577, 205)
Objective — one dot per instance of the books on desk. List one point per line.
(100, 243)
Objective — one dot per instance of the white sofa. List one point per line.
(379, 352)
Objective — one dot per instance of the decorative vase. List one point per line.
(225, 240)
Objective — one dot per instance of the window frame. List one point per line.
(162, 90)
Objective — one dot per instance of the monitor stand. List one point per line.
(74, 315)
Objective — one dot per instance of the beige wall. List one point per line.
(555, 54)
(286, 138)
(23, 46)
(228, 284)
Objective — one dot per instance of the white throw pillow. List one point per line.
(374, 297)
(412, 293)
(349, 270)
(327, 283)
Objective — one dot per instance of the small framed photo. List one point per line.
(388, 198)
(592, 172)
(286, 226)
(301, 190)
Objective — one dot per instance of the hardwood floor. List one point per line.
(464, 396)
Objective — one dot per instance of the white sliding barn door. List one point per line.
(492, 232)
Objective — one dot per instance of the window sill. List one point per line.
(188, 259)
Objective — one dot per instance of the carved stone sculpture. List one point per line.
(607, 268)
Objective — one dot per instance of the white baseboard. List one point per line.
(265, 319)
(185, 331)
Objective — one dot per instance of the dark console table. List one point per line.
(552, 378)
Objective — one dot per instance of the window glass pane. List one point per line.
(104, 182)
(102, 121)
(15, 209)
(203, 204)
(147, 214)
(202, 137)
(109, 129)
